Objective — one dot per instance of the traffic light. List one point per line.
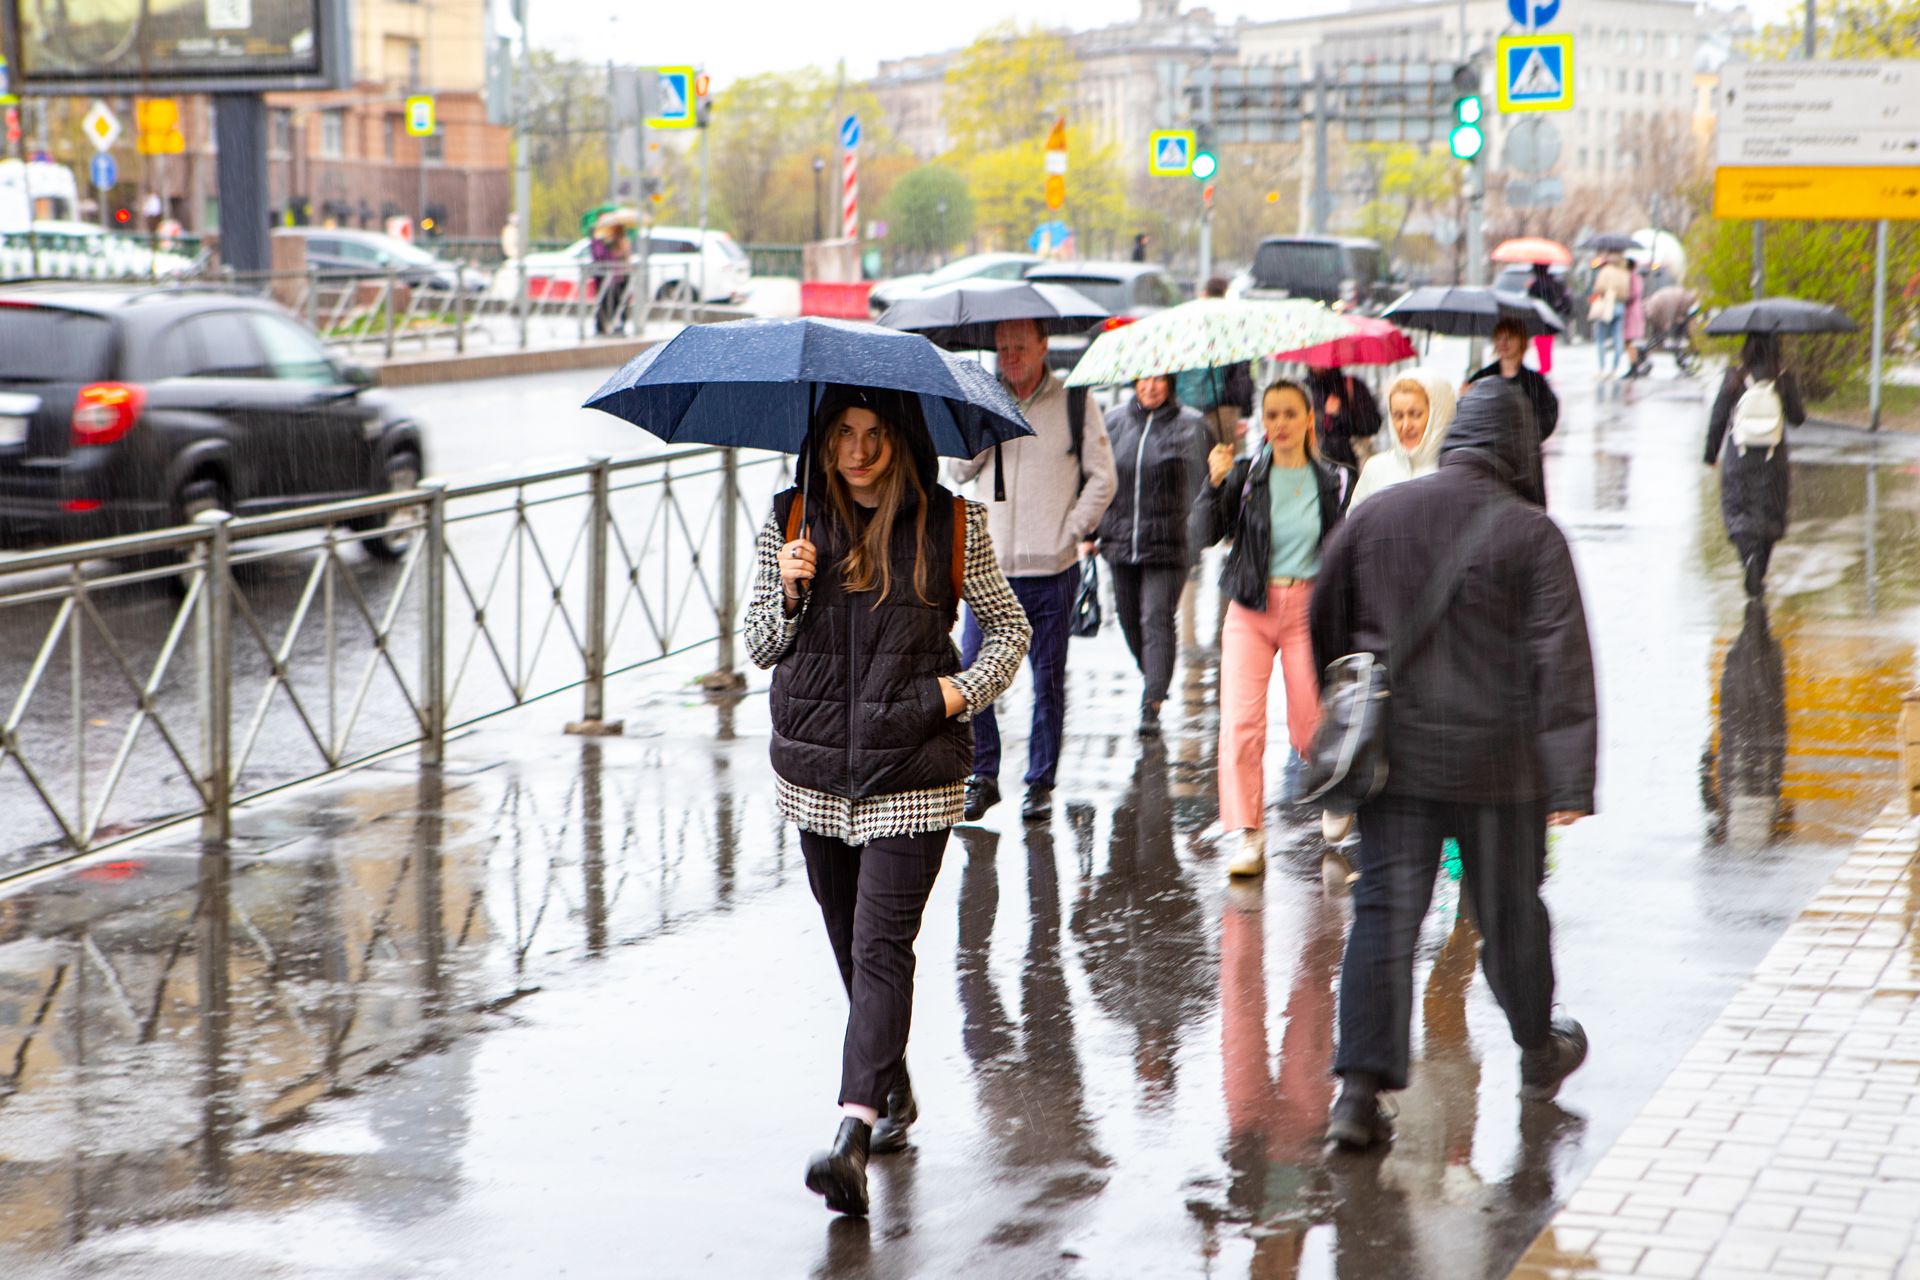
(702, 100)
(1467, 138)
(123, 216)
(1206, 195)
(1204, 166)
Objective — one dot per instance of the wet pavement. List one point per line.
(565, 1008)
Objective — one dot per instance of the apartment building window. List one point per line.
(1620, 81)
(280, 132)
(1659, 83)
(1640, 80)
(434, 147)
(1640, 42)
(1581, 163)
(333, 133)
(392, 140)
(1620, 40)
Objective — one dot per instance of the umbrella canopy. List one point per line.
(1207, 334)
(1470, 311)
(592, 216)
(1610, 243)
(962, 316)
(618, 217)
(754, 384)
(1533, 249)
(1369, 341)
(1782, 315)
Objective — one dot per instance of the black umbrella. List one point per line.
(962, 316)
(1610, 243)
(1470, 311)
(1782, 315)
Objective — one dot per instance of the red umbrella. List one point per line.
(1533, 249)
(1371, 342)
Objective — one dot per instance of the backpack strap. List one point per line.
(796, 514)
(958, 567)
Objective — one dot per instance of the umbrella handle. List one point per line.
(999, 476)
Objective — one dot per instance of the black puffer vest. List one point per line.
(857, 709)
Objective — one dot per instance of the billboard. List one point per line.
(177, 46)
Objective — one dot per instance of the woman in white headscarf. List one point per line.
(1420, 407)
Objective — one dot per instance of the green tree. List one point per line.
(1007, 87)
(1404, 180)
(929, 211)
(1009, 191)
(1863, 29)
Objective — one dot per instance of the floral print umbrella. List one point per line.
(1205, 334)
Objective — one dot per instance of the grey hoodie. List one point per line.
(1037, 531)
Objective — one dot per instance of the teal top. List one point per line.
(1293, 503)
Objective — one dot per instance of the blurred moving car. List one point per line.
(681, 264)
(82, 250)
(1342, 271)
(975, 266)
(125, 408)
(1129, 290)
(342, 252)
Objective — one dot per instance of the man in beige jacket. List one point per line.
(1055, 496)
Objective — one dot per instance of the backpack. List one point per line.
(1758, 418)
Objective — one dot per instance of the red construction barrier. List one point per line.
(835, 299)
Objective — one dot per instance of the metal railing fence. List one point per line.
(177, 673)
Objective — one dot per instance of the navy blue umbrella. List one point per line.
(755, 384)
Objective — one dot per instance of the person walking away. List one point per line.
(1278, 507)
(1346, 416)
(1606, 311)
(1633, 330)
(1139, 246)
(1746, 434)
(1548, 289)
(1224, 396)
(853, 601)
(1491, 736)
(1509, 352)
(1160, 458)
(1420, 405)
(1058, 484)
(609, 253)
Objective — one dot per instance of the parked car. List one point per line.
(83, 250)
(128, 408)
(1342, 271)
(975, 266)
(342, 252)
(1129, 290)
(680, 264)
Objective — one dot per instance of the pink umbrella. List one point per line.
(1533, 249)
(1371, 342)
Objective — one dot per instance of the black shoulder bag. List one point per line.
(1347, 761)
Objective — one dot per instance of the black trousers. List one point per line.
(1503, 854)
(872, 897)
(1147, 598)
(1755, 553)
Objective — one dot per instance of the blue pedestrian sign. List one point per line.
(1170, 153)
(673, 98)
(850, 133)
(105, 172)
(1533, 14)
(1534, 73)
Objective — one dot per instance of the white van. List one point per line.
(678, 266)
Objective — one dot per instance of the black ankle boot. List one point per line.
(890, 1135)
(1358, 1121)
(840, 1172)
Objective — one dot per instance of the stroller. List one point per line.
(1677, 341)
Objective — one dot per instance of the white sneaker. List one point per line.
(1335, 828)
(1251, 858)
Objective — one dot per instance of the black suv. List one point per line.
(1341, 271)
(129, 408)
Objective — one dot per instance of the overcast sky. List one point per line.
(733, 38)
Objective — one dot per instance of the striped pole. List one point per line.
(850, 194)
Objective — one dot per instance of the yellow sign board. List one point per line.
(420, 116)
(1845, 194)
(1534, 73)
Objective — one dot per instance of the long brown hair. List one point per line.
(867, 564)
(1312, 440)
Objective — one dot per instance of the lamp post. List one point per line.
(819, 168)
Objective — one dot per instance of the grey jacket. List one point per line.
(1048, 511)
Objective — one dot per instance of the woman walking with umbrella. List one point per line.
(852, 605)
(1758, 399)
(1347, 414)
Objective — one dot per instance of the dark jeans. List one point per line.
(872, 897)
(1049, 604)
(1147, 598)
(1503, 853)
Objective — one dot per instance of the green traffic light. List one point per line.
(1465, 141)
(1467, 110)
(1204, 165)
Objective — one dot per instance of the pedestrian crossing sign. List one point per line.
(673, 99)
(1536, 73)
(1170, 153)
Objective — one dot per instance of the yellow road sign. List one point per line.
(1534, 73)
(1056, 191)
(1847, 194)
(420, 121)
(1170, 153)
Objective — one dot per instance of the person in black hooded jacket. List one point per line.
(1491, 735)
(1160, 456)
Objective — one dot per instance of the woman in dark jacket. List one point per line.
(1278, 507)
(1160, 455)
(1753, 480)
(853, 603)
(1346, 415)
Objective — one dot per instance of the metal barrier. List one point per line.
(202, 666)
